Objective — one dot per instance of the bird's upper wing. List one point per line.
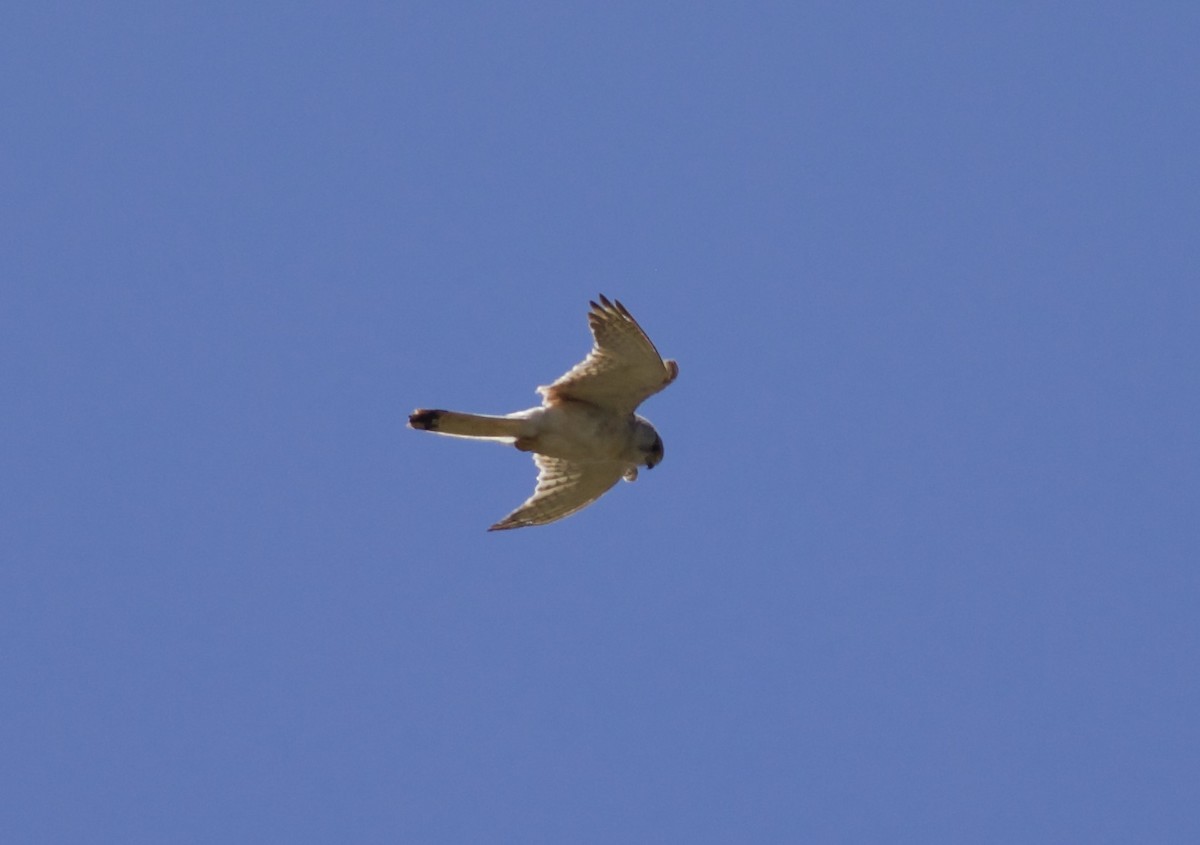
(622, 369)
(563, 487)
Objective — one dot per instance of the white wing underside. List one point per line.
(622, 369)
(563, 487)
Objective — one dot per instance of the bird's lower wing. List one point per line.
(563, 487)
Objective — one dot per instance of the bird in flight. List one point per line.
(585, 436)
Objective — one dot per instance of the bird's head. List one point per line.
(654, 454)
(649, 444)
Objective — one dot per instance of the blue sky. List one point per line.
(920, 564)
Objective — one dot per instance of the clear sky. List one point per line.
(920, 564)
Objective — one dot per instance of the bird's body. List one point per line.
(585, 436)
(572, 431)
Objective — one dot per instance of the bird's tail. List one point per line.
(478, 426)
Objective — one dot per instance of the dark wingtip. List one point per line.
(611, 306)
(423, 420)
(608, 307)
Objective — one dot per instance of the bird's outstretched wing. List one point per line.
(563, 487)
(622, 369)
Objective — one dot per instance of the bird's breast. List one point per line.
(582, 432)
